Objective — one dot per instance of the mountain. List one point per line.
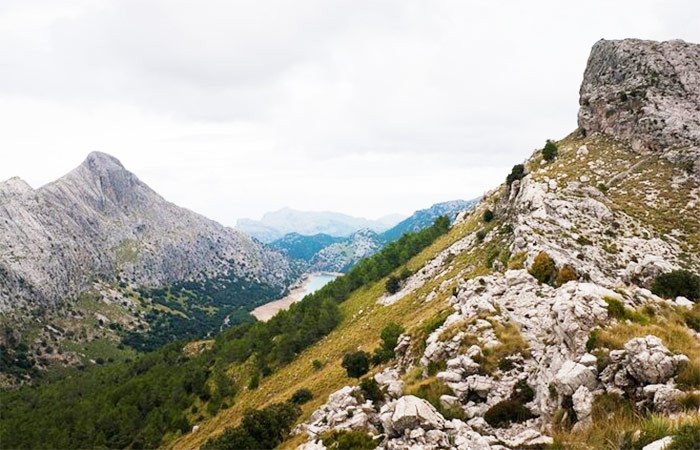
(559, 312)
(101, 231)
(326, 253)
(276, 224)
(425, 217)
(302, 247)
(341, 256)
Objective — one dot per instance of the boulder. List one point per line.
(649, 361)
(572, 375)
(411, 412)
(583, 404)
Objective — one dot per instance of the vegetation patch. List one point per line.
(348, 440)
(679, 283)
(506, 412)
(543, 268)
(431, 390)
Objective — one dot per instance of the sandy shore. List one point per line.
(265, 312)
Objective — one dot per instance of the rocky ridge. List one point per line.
(596, 331)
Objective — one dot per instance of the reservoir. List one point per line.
(311, 283)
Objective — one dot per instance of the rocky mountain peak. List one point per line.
(99, 161)
(645, 93)
(13, 187)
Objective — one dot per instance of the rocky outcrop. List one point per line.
(101, 221)
(643, 361)
(643, 92)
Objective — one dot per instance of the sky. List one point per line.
(234, 108)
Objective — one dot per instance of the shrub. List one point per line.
(543, 268)
(505, 412)
(487, 216)
(348, 440)
(371, 391)
(549, 152)
(393, 284)
(480, 235)
(356, 364)
(566, 274)
(405, 273)
(301, 396)
(258, 429)
(617, 310)
(317, 365)
(517, 173)
(390, 337)
(522, 392)
(677, 283)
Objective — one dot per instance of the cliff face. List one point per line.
(101, 221)
(644, 93)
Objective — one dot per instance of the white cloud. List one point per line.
(233, 108)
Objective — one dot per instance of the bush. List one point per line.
(550, 151)
(617, 310)
(371, 391)
(348, 440)
(301, 396)
(480, 235)
(506, 412)
(517, 173)
(543, 268)
(356, 364)
(317, 365)
(487, 216)
(566, 274)
(265, 428)
(393, 284)
(679, 283)
(390, 337)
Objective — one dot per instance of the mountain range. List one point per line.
(274, 225)
(337, 254)
(560, 312)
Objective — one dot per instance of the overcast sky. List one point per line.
(235, 108)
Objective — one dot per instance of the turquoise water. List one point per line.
(316, 282)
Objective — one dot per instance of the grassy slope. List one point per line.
(360, 328)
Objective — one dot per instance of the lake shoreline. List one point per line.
(296, 292)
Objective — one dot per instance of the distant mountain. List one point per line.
(302, 247)
(276, 224)
(341, 256)
(327, 253)
(425, 217)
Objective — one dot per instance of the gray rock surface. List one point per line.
(643, 92)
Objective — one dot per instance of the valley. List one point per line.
(310, 283)
(560, 310)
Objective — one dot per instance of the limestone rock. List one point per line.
(411, 412)
(643, 92)
(649, 361)
(573, 375)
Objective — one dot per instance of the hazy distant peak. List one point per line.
(100, 160)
